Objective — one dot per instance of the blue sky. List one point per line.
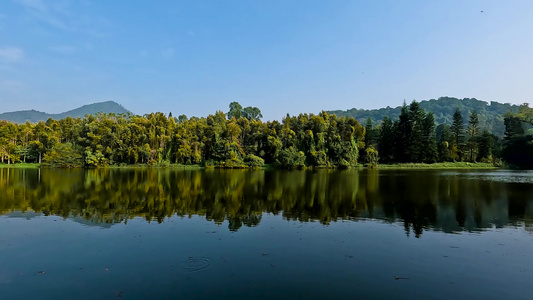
(195, 57)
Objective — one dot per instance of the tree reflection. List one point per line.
(421, 200)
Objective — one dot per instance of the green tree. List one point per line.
(444, 142)
(235, 110)
(428, 145)
(251, 113)
(403, 128)
(415, 135)
(64, 155)
(458, 136)
(473, 136)
(371, 156)
(518, 144)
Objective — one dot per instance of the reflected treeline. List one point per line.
(422, 200)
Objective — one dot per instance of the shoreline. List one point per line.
(434, 166)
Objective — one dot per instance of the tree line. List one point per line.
(416, 138)
(239, 139)
(233, 140)
(490, 114)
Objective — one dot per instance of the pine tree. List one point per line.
(458, 136)
(386, 140)
(473, 135)
(429, 149)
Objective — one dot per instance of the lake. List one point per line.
(260, 234)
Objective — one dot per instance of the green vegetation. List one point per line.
(444, 165)
(518, 141)
(242, 140)
(490, 115)
(414, 138)
(22, 166)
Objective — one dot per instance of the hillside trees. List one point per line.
(518, 140)
(240, 139)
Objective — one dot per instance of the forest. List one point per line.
(490, 115)
(239, 139)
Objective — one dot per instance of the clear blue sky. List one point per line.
(195, 57)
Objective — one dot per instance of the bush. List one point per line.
(291, 158)
(64, 156)
(253, 161)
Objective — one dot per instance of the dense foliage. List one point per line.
(414, 138)
(490, 115)
(518, 141)
(240, 141)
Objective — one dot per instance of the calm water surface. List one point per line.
(205, 234)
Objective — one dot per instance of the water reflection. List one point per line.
(422, 200)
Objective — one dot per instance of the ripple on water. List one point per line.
(498, 176)
(195, 264)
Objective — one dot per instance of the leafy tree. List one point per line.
(252, 113)
(254, 161)
(291, 158)
(64, 155)
(371, 156)
(235, 110)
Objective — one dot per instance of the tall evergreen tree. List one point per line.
(444, 138)
(429, 147)
(416, 142)
(386, 140)
(486, 143)
(473, 136)
(458, 136)
(402, 135)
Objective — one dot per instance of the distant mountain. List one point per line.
(35, 116)
(490, 115)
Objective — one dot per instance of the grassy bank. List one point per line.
(157, 166)
(444, 165)
(21, 165)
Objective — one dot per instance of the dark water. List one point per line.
(175, 234)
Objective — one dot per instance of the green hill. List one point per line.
(490, 114)
(35, 116)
